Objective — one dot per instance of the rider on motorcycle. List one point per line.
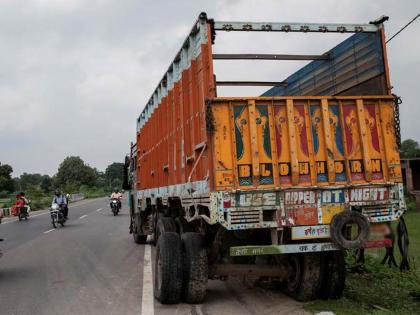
(117, 196)
(61, 200)
(21, 204)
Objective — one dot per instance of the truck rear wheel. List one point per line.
(304, 281)
(334, 275)
(164, 224)
(195, 268)
(182, 226)
(168, 269)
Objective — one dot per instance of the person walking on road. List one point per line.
(61, 200)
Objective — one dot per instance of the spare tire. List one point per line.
(339, 233)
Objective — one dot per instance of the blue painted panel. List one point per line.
(355, 60)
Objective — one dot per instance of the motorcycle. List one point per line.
(57, 215)
(23, 212)
(115, 206)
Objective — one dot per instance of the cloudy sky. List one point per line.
(75, 74)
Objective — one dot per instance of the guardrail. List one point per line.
(76, 197)
(4, 212)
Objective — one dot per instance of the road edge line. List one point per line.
(147, 299)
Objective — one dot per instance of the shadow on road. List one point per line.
(11, 274)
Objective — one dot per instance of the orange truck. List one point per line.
(275, 186)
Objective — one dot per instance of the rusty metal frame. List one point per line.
(250, 83)
(248, 269)
(294, 27)
(269, 57)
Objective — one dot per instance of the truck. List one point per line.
(276, 186)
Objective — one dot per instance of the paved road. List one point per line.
(92, 266)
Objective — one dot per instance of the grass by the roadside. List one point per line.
(381, 289)
(95, 192)
(43, 200)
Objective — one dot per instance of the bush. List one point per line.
(93, 192)
(40, 203)
(411, 204)
(4, 194)
(34, 192)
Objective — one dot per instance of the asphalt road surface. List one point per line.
(92, 266)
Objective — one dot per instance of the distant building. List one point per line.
(411, 177)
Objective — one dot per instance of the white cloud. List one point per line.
(57, 6)
(74, 74)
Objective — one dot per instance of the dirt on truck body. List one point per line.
(276, 186)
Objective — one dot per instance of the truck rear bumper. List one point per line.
(298, 248)
(241, 210)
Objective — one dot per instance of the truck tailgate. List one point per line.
(280, 142)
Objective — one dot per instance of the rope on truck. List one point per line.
(403, 243)
(397, 102)
(389, 257)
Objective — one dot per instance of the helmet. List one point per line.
(57, 192)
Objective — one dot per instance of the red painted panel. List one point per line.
(378, 243)
(303, 216)
(176, 127)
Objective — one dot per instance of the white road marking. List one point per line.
(147, 305)
(49, 231)
(78, 203)
(37, 215)
(198, 310)
(83, 216)
(98, 209)
(30, 216)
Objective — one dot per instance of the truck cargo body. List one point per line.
(278, 168)
(194, 145)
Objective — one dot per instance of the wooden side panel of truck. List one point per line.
(192, 145)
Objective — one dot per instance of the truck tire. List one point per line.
(338, 229)
(334, 275)
(164, 224)
(139, 239)
(304, 282)
(195, 268)
(182, 226)
(168, 269)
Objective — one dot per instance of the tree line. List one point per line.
(73, 175)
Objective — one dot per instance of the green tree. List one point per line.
(410, 149)
(28, 180)
(100, 179)
(114, 174)
(6, 181)
(46, 183)
(74, 172)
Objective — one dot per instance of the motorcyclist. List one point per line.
(117, 196)
(23, 197)
(25, 201)
(61, 200)
(21, 203)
